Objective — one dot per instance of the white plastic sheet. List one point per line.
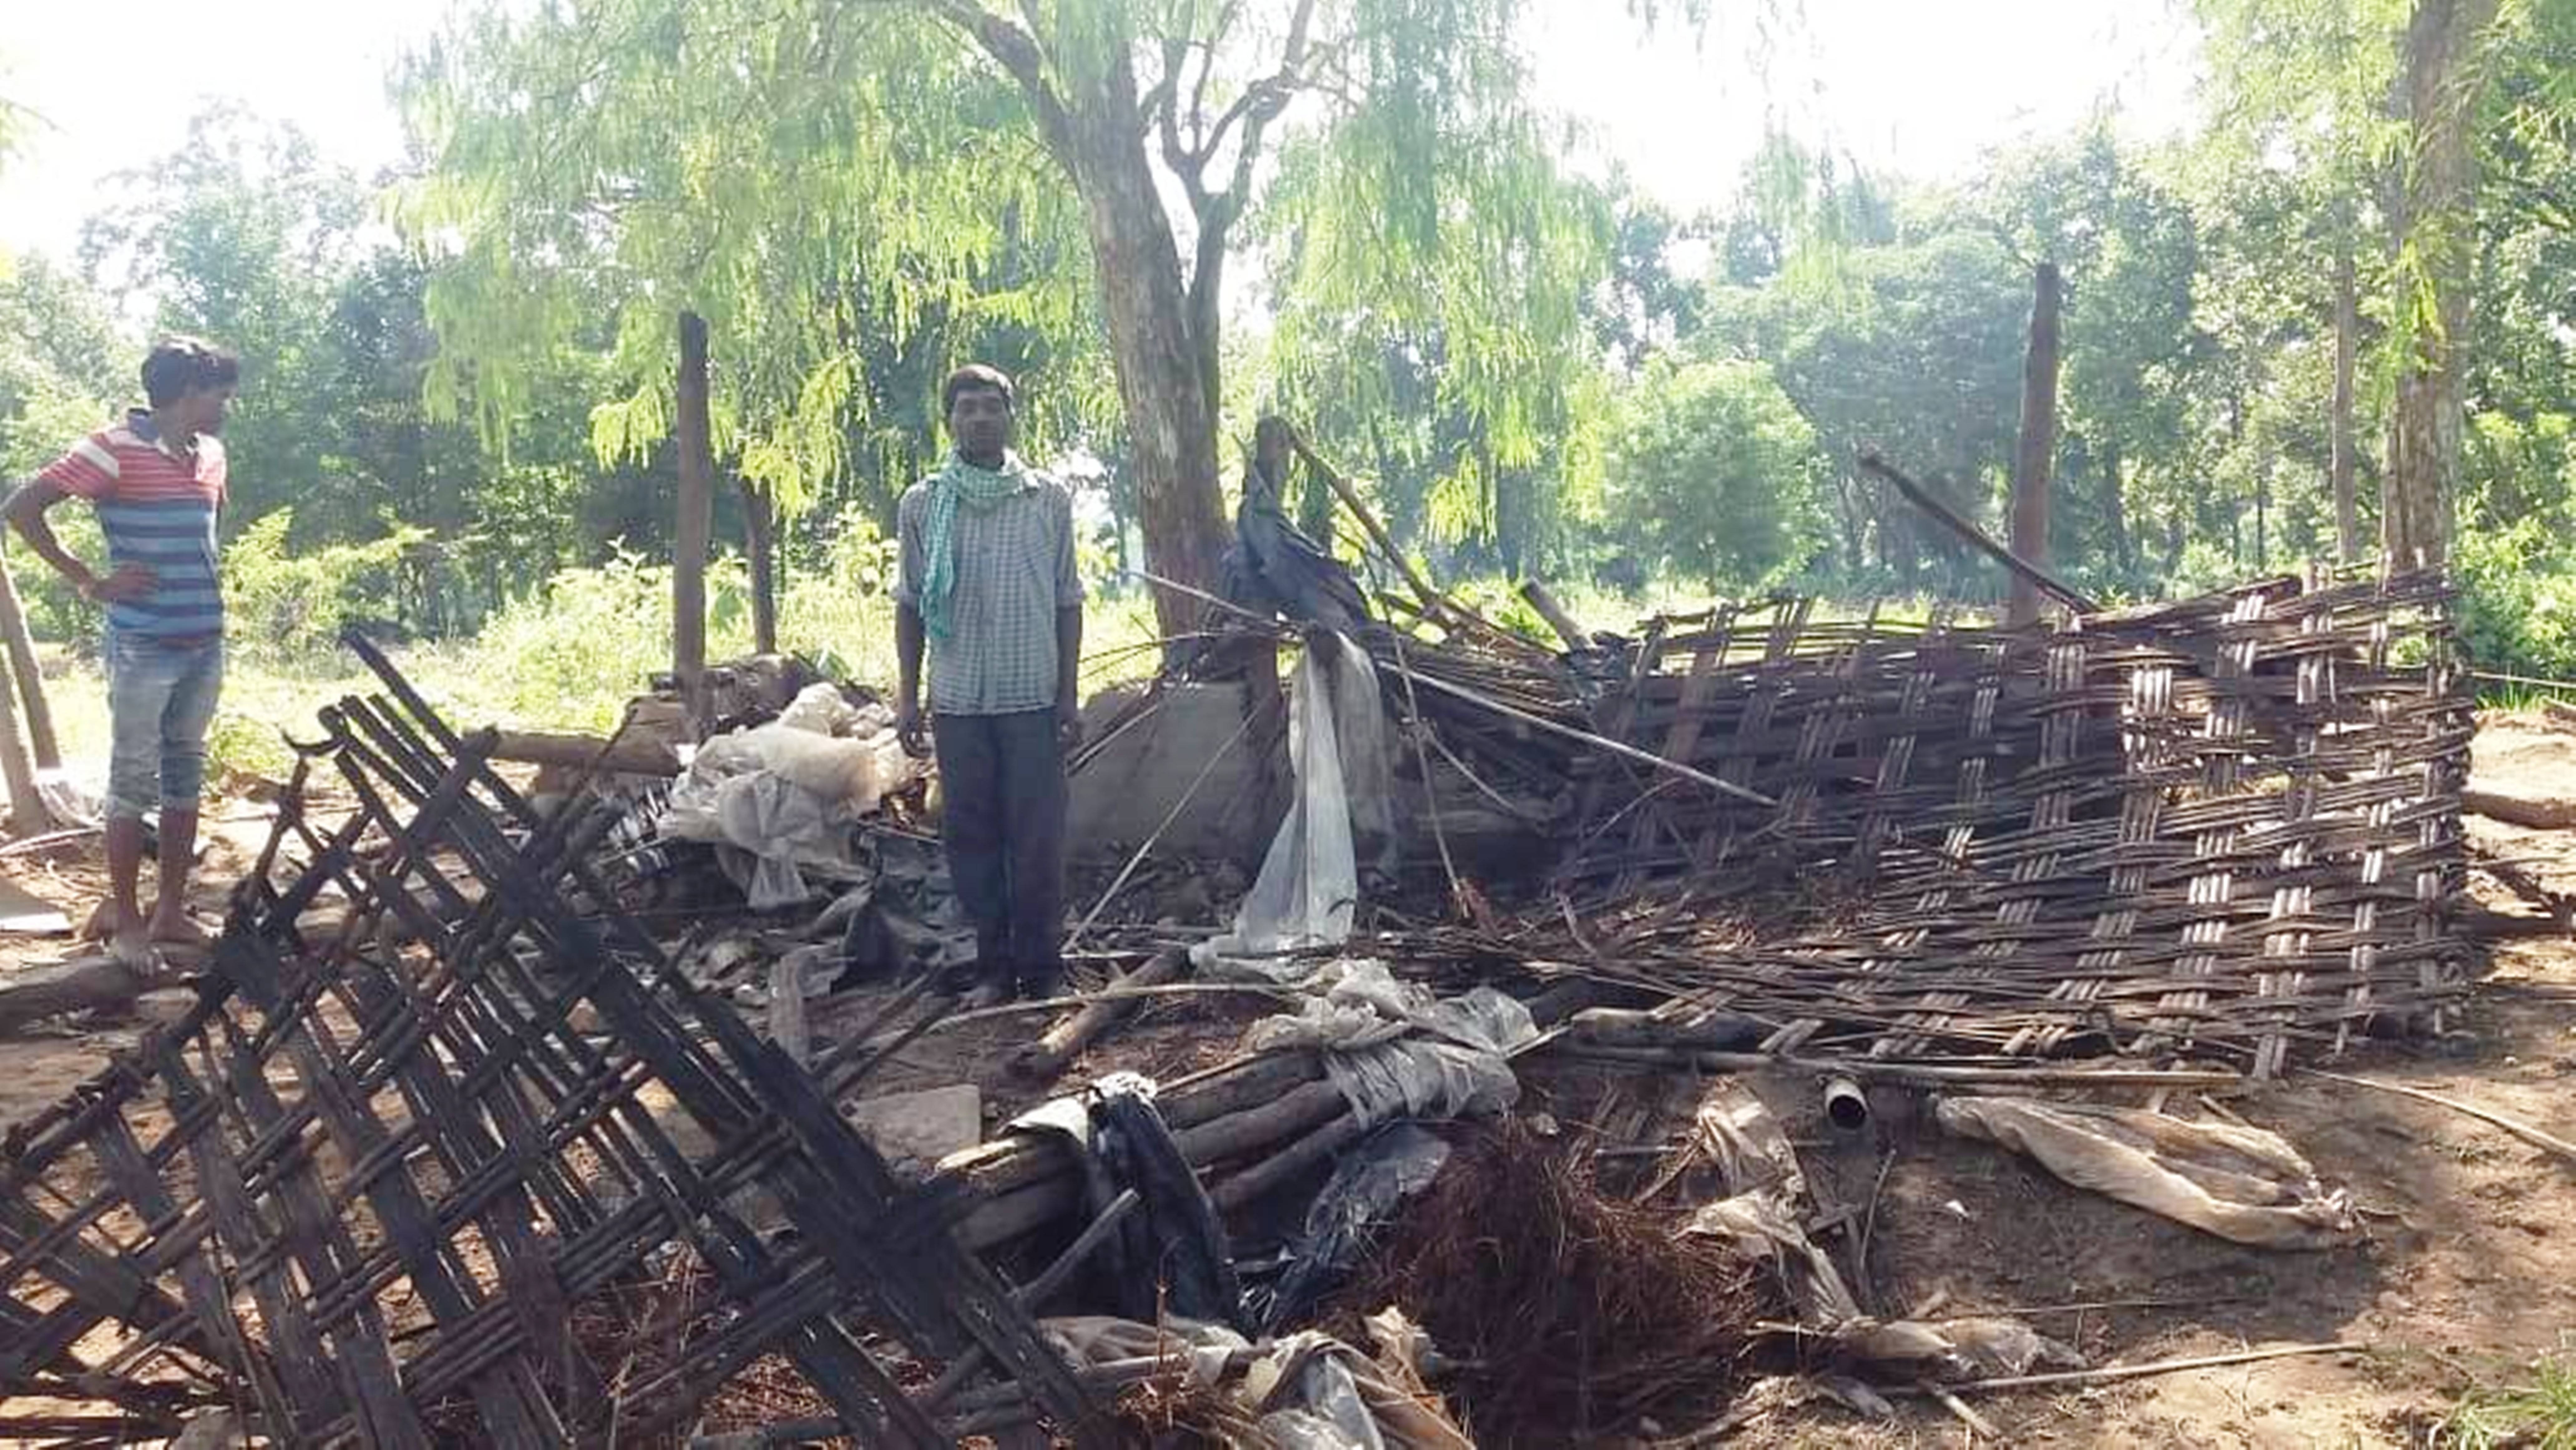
(2243, 1184)
(1396, 1050)
(780, 797)
(1309, 884)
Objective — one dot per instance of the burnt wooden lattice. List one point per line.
(2228, 823)
(411, 1120)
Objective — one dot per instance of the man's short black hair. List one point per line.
(178, 366)
(975, 377)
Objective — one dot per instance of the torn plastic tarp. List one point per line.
(1396, 1050)
(1389, 1166)
(777, 800)
(1764, 1213)
(1170, 1254)
(1309, 886)
(1306, 1392)
(2243, 1184)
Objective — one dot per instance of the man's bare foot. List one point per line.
(102, 921)
(132, 948)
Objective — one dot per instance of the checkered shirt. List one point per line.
(1014, 571)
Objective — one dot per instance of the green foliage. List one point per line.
(294, 602)
(2518, 599)
(1716, 469)
(2538, 1416)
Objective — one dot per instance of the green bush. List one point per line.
(289, 601)
(2518, 600)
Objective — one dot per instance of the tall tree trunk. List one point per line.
(696, 521)
(2263, 517)
(1163, 364)
(2339, 432)
(760, 541)
(2422, 477)
(2115, 510)
(2038, 442)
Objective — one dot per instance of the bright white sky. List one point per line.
(1908, 85)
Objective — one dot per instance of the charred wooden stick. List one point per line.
(1950, 518)
(1564, 624)
(1068, 1039)
(1440, 607)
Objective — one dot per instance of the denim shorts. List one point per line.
(160, 700)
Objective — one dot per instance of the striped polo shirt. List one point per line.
(156, 503)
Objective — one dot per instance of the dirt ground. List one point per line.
(2465, 1276)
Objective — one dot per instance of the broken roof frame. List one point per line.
(495, 1163)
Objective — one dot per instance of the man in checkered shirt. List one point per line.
(987, 586)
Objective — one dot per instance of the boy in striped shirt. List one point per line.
(157, 483)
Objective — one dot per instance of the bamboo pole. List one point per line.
(27, 813)
(39, 713)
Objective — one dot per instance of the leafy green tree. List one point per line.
(685, 143)
(1913, 349)
(1717, 472)
(63, 369)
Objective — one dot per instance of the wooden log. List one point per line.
(1246, 1187)
(2038, 444)
(696, 522)
(29, 675)
(1712, 1031)
(84, 984)
(584, 752)
(1068, 1039)
(1564, 624)
(2543, 814)
(1238, 1135)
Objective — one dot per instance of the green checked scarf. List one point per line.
(957, 482)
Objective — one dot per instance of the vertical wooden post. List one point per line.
(2038, 443)
(27, 813)
(760, 542)
(31, 680)
(2339, 434)
(696, 522)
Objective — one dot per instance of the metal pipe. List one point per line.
(1846, 1105)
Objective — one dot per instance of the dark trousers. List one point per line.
(1002, 780)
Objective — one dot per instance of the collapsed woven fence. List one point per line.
(2230, 822)
(352, 1193)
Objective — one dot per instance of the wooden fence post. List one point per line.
(696, 522)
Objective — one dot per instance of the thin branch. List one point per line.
(1017, 52)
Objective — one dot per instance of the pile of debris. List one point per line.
(462, 1068)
